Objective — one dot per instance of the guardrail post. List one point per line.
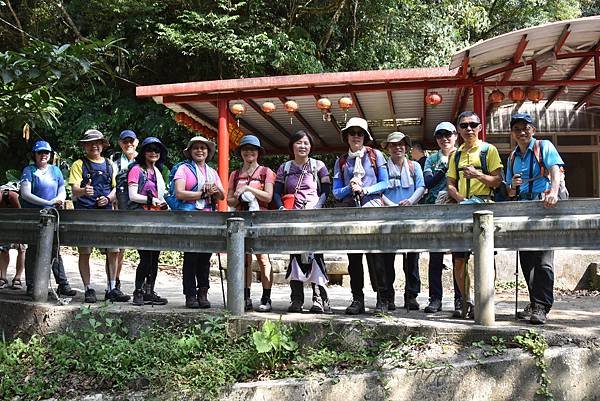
(43, 257)
(235, 265)
(483, 247)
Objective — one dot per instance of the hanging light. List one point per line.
(238, 109)
(516, 95)
(268, 107)
(433, 98)
(324, 105)
(534, 95)
(291, 107)
(345, 104)
(496, 97)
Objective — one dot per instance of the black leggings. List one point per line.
(147, 268)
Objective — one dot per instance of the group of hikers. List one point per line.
(362, 177)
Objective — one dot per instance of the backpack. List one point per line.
(125, 194)
(411, 169)
(9, 196)
(500, 194)
(171, 199)
(313, 170)
(372, 157)
(563, 192)
(122, 190)
(87, 178)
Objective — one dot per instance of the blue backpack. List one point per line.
(171, 199)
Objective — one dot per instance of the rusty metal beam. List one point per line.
(563, 38)
(359, 108)
(586, 97)
(306, 124)
(267, 117)
(390, 99)
(516, 56)
(463, 70)
(200, 115)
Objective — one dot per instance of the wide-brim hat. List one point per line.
(396, 136)
(250, 140)
(209, 144)
(92, 135)
(149, 141)
(357, 122)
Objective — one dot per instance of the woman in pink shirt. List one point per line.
(251, 188)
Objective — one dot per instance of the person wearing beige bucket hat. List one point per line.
(93, 181)
(405, 188)
(197, 187)
(359, 178)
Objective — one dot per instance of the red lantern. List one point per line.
(291, 107)
(516, 95)
(324, 105)
(268, 107)
(179, 117)
(535, 95)
(345, 104)
(433, 98)
(238, 109)
(496, 97)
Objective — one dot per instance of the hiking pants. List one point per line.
(537, 267)
(196, 267)
(58, 268)
(376, 265)
(147, 268)
(436, 267)
(412, 281)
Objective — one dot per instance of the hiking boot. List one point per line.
(116, 295)
(435, 305)
(295, 307)
(457, 308)
(66, 290)
(391, 304)
(356, 307)
(410, 302)
(191, 302)
(90, 296)
(382, 305)
(296, 296)
(138, 298)
(265, 306)
(525, 314)
(538, 314)
(248, 305)
(152, 298)
(203, 298)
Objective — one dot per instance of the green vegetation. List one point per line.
(536, 345)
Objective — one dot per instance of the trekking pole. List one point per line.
(221, 275)
(517, 285)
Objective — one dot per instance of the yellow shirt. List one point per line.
(471, 157)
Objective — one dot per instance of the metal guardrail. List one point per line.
(573, 224)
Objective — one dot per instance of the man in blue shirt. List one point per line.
(534, 178)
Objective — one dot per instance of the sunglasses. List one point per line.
(443, 134)
(356, 133)
(43, 152)
(472, 124)
(526, 128)
(153, 149)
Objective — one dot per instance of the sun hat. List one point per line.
(127, 134)
(396, 136)
(92, 135)
(41, 145)
(209, 144)
(360, 123)
(149, 141)
(253, 141)
(444, 126)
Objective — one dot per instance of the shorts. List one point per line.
(6, 248)
(86, 250)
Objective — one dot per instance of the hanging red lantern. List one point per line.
(516, 95)
(179, 117)
(496, 97)
(345, 104)
(268, 107)
(324, 105)
(534, 95)
(291, 107)
(238, 109)
(433, 98)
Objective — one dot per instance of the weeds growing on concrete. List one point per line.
(536, 344)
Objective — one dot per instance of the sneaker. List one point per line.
(457, 308)
(116, 295)
(153, 298)
(66, 290)
(248, 305)
(356, 307)
(191, 302)
(435, 305)
(265, 306)
(138, 298)
(538, 314)
(525, 314)
(410, 302)
(295, 307)
(90, 296)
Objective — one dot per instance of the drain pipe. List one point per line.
(483, 247)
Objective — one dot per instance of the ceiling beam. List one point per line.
(333, 121)
(424, 134)
(562, 39)
(200, 115)
(586, 97)
(390, 99)
(306, 124)
(597, 66)
(359, 108)
(516, 56)
(267, 117)
(457, 102)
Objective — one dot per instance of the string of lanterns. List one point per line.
(516, 95)
(195, 126)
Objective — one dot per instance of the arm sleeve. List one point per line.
(31, 198)
(277, 191)
(340, 191)
(431, 180)
(382, 181)
(325, 188)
